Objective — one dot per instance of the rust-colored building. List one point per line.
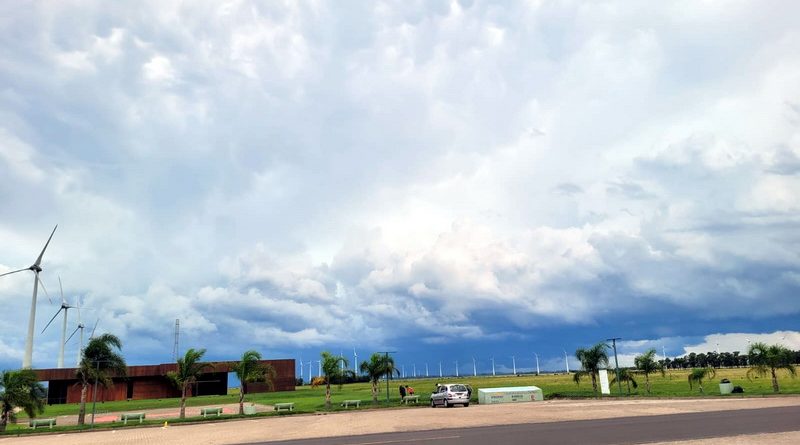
(151, 382)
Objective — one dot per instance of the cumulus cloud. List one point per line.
(419, 172)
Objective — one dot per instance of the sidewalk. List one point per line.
(386, 420)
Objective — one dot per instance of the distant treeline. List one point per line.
(713, 360)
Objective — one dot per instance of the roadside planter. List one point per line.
(725, 386)
(514, 394)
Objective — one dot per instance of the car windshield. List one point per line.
(458, 388)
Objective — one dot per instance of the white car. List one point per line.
(450, 394)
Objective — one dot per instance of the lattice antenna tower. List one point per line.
(177, 339)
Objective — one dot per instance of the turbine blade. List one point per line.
(95, 327)
(61, 288)
(41, 284)
(9, 273)
(70, 335)
(39, 260)
(51, 320)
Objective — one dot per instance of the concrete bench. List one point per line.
(349, 403)
(125, 417)
(33, 423)
(409, 399)
(284, 406)
(205, 412)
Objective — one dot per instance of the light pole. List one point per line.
(537, 363)
(566, 361)
(616, 362)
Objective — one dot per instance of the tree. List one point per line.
(592, 360)
(332, 370)
(769, 359)
(20, 389)
(98, 363)
(249, 370)
(626, 376)
(378, 366)
(647, 364)
(189, 370)
(699, 374)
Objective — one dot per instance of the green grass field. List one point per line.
(306, 399)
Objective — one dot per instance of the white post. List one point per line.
(514, 364)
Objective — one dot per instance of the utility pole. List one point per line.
(616, 362)
(388, 371)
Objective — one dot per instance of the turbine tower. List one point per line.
(440, 369)
(566, 360)
(493, 374)
(474, 369)
(355, 360)
(426, 370)
(514, 364)
(456, 368)
(35, 268)
(64, 307)
(537, 363)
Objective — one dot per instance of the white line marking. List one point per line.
(405, 440)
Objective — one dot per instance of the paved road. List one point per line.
(625, 430)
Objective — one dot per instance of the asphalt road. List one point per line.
(624, 430)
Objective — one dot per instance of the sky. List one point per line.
(445, 179)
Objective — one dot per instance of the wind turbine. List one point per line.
(537, 363)
(355, 360)
(440, 369)
(65, 307)
(566, 361)
(301, 367)
(426, 370)
(35, 268)
(474, 369)
(456, 368)
(514, 364)
(319, 368)
(81, 326)
(493, 374)
(415, 370)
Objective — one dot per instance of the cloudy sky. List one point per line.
(445, 179)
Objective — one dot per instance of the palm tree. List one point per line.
(592, 360)
(700, 374)
(647, 364)
(249, 370)
(626, 376)
(20, 389)
(332, 369)
(189, 370)
(764, 359)
(98, 363)
(378, 366)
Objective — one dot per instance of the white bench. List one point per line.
(349, 403)
(33, 423)
(124, 417)
(284, 406)
(205, 412)
(409, 399)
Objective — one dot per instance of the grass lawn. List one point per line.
(307, 399)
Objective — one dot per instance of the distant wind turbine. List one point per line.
(426, 370)
(456, 368)
(493, 374)
(440, 369)
(537, 363)
(474, 369)
(355, 360)
(36, 268)
(566, 360)
(81, 326)
(514, 364)
(64, 307)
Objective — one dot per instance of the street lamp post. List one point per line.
(616, 362)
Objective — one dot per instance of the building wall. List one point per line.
(151, 382)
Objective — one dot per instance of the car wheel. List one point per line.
(433, 404)
(447, 404)
(466, 404)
